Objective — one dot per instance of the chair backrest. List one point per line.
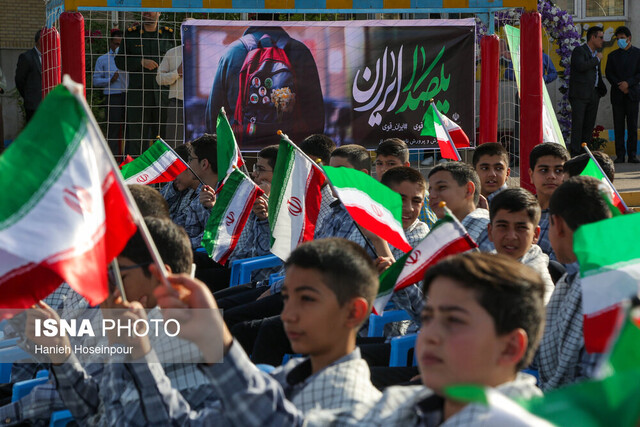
(23, 388)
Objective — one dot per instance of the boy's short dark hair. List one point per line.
(394, 147)
(462, 173)
(593, 31)
(149, 201)
(579, 201)
(355, 154)
(622, 30)
(547, 149)
(400, 174)
(511, 292)
(346, 268)
(516, 200)
(270, 153)
(182, 150)
(576, 165)
(206, 147)
(490, 149)
(171, 240)
(318, 146)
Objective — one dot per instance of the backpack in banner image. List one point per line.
(267, 89)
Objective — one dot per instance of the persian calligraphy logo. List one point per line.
(295, 206)
(78, 198)
(376, 210)
(414, 257)
(231, 217)
(143, 178)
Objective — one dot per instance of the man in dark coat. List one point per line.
(29, 77)
(623, 72)
(586, 87)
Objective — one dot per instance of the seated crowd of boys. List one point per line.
(481, 317)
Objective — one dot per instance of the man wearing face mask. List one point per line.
(114, 82)
(623, 72)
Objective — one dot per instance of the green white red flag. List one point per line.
(294, 201)
(447, 237)
(159, 163)
(592, 169)
(372, 205)
(64, 215)
(610, 272)
(229, 215)
(449, 135)
(229, 156)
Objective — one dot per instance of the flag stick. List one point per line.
(118, 278)
(178, 156)
(286, 138)
(76, 90)
(586, 148)
(446, 130)
(244, 165)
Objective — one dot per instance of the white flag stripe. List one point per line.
(596, 297)
(288, 232)
(352, 197)
(236, 208)
(79, 186)
(155, 169)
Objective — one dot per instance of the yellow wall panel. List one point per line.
(396, 4)
(529, 5)
(450, 4)
(217, 4)
(156, 3)
(339, 4)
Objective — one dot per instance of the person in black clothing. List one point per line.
(253, 98)
(623, 72)
(586, 87)
(29, 77)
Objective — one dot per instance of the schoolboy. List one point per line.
(491, 163)
(328, 291)
(351, 156)
(179, 192)
(394, 152)
(481, 323)
(546, 172)
(514, 231)
(458, 185)
(562, 358)
(576, 165)
(83, 394)
(319, 147)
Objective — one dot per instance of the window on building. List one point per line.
(589, 9)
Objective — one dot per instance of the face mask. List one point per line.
(622, 43)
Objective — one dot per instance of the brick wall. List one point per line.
(20, 20)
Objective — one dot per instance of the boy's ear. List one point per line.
(514, 347)
(358, 312)
(489, 232)
(407, 164)
(508, 171)
(471, 189)
(536, 234)
(531, 174)
(365, 171)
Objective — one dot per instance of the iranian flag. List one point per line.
(294, 201)
(449, 135)
(447, 237)
(64, 215)
(610, 270)
(372, 205)
(592, 169)
(157, 164)
(229, 215)
(229, 156)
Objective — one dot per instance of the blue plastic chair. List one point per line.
(241, 269)
(400, 347)
(267, 369)
(9, 355)
(289, 356)
(9, 342)
(22, 388)
(376, 323)
(60, 418)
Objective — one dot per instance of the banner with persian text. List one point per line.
(357, 82)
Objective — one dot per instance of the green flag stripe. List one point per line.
(147, 158)
(37, 158)
(281, 176)
(614, 234)
(351, 178)
(226, 144)
(225, 197)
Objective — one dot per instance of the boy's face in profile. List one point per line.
(384, 163)
(493, 172)
(412, 194)
(312, 318)
(444, 188)
(457, 343)
(513, 233)
(263, 173)
(547, 175)
(137, 285)
(184, 181)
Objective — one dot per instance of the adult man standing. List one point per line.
(115, 82)
(170, 74)
(29, 77)
(586, 87)
(623, 72)
(140, 53)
